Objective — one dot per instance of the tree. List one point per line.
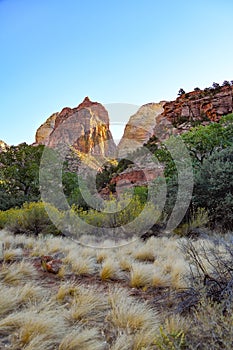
(213, 188)
(181, 92)
(19, 174)
(202, 141)
(216, 85)
(226, 83)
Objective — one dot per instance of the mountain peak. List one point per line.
(86, 103)
(85, 128)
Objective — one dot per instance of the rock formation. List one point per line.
(136, 177)
(44, 131)
(169, 118)
(139, 128)
(3, 146)
(198, 107)
(174, 117)
(85, 128)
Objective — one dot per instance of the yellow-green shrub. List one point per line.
(32, 218)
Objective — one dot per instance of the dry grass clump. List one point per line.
(27, 325)
(172, 333)
(54, 244)
(83, 266)
(144, 253)
(122, 342)
(10, 255)
(67, 291)
(210, 327)
(87, 306)
(20, 241)
(39, 248)
(14, 297)
(159, 278)
(125, 263)
(80, 264)
(17, 273)
(46, 246)
(110, 270)
(131, 315)
(39, 311)
(179, 271)
(101, 255)
(83, 339)
(141, 275)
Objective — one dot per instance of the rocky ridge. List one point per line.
(85, 128)
(200, 106)
(166, 118)
(169, 118)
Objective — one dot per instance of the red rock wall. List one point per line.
(85, 127)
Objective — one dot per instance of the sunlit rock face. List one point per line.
(199, 106)
(140, 128)
(44, 131)
(3, 146)
(164, 119)
(85, 128)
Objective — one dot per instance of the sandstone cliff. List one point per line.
(3, 146)
(85, 128)
(174, 117)
(170, 118)
(44, 131)
(198, 107)
(139, 128)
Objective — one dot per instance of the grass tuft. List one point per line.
(141, 275)
(83, 339)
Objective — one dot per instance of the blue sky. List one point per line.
(54, 53)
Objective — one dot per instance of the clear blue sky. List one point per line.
(54, 53)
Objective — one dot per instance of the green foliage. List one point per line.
(216, 86)
(32, 218)
(181, 92)
(123, 165)
(198, 219)
(210, 148)
(152, 144)
(174, 340)
(214, 187)
(19, 175)
(115, 214)
(104, 176)
(142, 193)
(75, 189)
(226, 83)
(203, 140)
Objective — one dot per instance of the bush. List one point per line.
(32, 218)
(208, 302)
(214, 188)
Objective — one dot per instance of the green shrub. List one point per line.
(214, 188)
(32, 218)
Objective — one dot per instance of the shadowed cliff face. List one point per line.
(85, 128)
